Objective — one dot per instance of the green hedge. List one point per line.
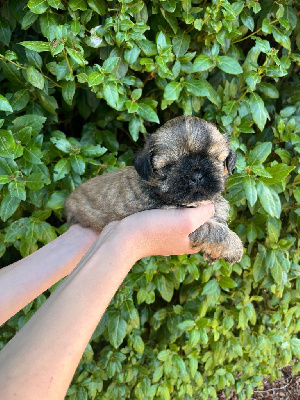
(81, 82)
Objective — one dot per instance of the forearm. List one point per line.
(51, 344)
(24, 280)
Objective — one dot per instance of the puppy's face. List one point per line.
(186, 161)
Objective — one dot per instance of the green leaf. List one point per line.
(229, 65)
(36, 46)
(110, 64)
(181, 44)
(48, 24)
(62, 144)
(34, 181)
(227, 283)
(202, 63)
(12, 73)
(4, 104)
(258, 110)
(165, 287)
(171, 20)
(46, 232)
(16, 230)
(28, 20)
(34, 58)
(116, 329)
(276, 269)
(251, 233)
(95, 78)
(61, 169)
(134, 127)
(54, 3)
(250, 190)
(38, 6)
(290, 14)
(110, 93)
(266, 25)
(4, 179)
(20, 99)
(8, 206)
(35, 122)
(147, 113)
(130, 56)
(99, 6)
(126, 24)
(211, 287)
(132, 106)
(17, 189)
(92, 151)
(163, 355)
(77, 164)
(273, 228)
(147, 47)
(281, 37)
(76, 56)
(28, 241)
(172, 91)
(5, 32)
(295, 346)
(187, 325)
(7, 143)
(259, 268)
(196, 87)
(158, 373)
(35, 77)
(247, 20)
(77, 5)
(68, 91)
(33, 155)
(260, 153)
(57, 200)
(269, 200)
(277, 173)
(260, 170)
(268, 90)
(169, 5)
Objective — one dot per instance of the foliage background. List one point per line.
(81, 82)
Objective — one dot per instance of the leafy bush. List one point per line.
(81, 82)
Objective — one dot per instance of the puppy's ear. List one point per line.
(143, 161)
(230, 162)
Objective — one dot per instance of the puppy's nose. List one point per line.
(196, 178)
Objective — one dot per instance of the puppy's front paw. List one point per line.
(236, 251)
(217, 241)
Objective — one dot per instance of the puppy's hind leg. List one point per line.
(217, 241)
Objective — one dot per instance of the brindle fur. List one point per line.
(184, 163)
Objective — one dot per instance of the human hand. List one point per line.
(157, 232)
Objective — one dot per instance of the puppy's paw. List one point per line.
(217, 241)
(235, 253)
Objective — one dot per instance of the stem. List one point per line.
(253, 33)
(67, 61)
(49, 79)
(237, 101)
(21, 66)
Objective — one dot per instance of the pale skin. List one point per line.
(39, 362)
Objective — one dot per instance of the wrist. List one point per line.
(84, 234)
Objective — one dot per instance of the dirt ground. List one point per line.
(285, 388)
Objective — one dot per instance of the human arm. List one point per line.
(24, 280)
(51, 344)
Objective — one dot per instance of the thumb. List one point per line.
(192, 218)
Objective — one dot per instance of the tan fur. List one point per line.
(113, 196)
